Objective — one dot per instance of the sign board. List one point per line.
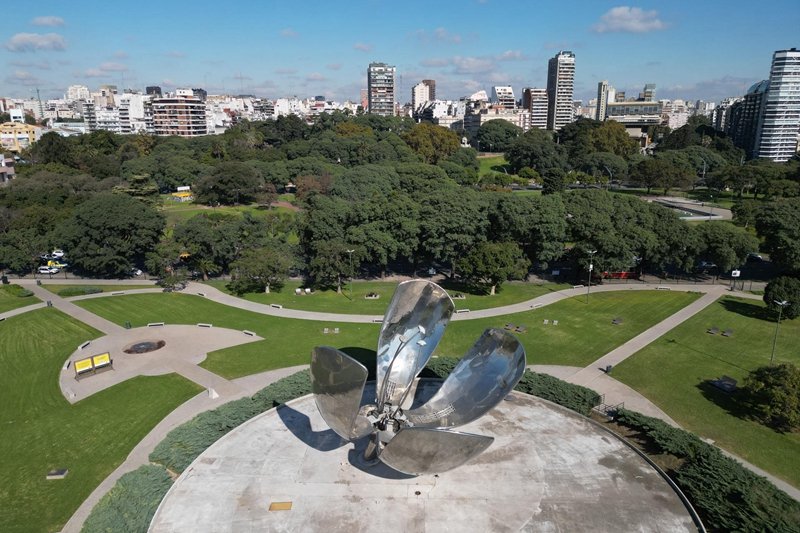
(556, 272)
(735, 273)
(591, 267)
(184, 189)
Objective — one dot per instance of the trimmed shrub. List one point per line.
(575, 397)
(729, 496)
(773, 393)
(131, 503)
(184, 443)
(17, 290)
(79, 291)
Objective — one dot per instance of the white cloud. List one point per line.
(166, 82)
(316, 76)
(552, 46)
(30, 42)
(95, 73)
(64, 62)
(289, 33)
(510, 55)
(22, 77)
(473, 65)
(113, 66)
(286, 71)
(334, 66)
(121, 55)
(175, 53)
(629, 20)
(48, 21)
(363, 47)
(441, 34)
(44, 65)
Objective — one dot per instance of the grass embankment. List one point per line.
(54, 288)
(329, 301)
(40, 430)
(584, 333)
(674, 370)
(494, 163)
(9, 302)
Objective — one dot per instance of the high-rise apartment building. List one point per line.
(179, 114)
(381, 89)
(779, 121)
(649, 93)
(535, 101)
(503, 95)
(77, 92)
(742, 125)
(602, 100)
(154, 90)
(420, 94)
(431, 89)
(560, 88)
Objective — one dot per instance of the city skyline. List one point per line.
(325, 49)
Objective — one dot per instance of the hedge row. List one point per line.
(131, 503)
(79, 291)
(184, 443)
(729, 496)
(17, 290)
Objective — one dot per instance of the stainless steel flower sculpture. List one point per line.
(416, 441)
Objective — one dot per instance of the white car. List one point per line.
(47, 270)
(58, 253)
(135, 272)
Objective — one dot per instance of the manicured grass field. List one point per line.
(329, 301)
(493, 163)
(9, 302)
(584, 332)
(40, 430)
(287, 342)
(54, 288)
(673, 372)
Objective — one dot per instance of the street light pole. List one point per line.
(611, 178)
(711, 212)
(591, 267)
(775, 341)
(350, 253)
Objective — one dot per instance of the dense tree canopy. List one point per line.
(497, 135)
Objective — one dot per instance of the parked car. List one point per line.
(134, 272)
(58, 254)
(47, 270)
(57, 264)
(754, 258)
(705, 265)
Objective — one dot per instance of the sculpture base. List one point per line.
(548, 470)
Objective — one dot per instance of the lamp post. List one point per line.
(611, 177)
(350, 253)
(591, 267)
(711, 212)
(780, 305)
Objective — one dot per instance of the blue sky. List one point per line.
(691, 49)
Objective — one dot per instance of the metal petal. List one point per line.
(431, 451)
(419, 311)
(337, 382)
(484, 376)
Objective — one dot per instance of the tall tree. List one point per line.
(229, 183)
(653, 172)
(612, 137)
(497, 135)
(495, 262)
(259, 268)
(536, 150)
(727, 245)
(433, 143)
(779, 225)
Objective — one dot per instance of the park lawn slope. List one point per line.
(41, 430)
(288, 342)
(673, 372)
(584, 333)
(9, 302)
(54, 288)
(328, 301)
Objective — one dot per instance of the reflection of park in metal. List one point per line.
(416, 440)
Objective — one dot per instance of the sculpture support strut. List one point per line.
(416, 441)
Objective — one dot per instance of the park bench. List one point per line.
(713, 330)
(336, 330)
(617, 320)
(555, 322)
(326, 330)
(725, 383)
(510, 326)
(520, 329)
(92, 365)
(308, 291)
(459, 296)
(728, 333)
(297, 292)
(545, 321)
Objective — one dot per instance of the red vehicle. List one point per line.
(622, 274)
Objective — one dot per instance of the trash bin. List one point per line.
(38, 282)
(608, 369)
(4, 279)
(127, 325)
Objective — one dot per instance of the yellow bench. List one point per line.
(91, 365)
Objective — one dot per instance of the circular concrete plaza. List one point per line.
(548, 470)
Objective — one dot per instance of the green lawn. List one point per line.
(287, 342)
(9, 302)
(584, 332)
(494, 163)
(40, 430)
(673, 371)
(329, 301)
(54, 288)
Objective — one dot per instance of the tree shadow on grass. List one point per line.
(733, 403)
(749, 310)
(688, 348)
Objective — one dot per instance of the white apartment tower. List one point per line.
(420, 94)
(77, 92)
(560, 89)
(779, 122)
(535, 101)
(381, 89)
(602, 100)
(504, 96)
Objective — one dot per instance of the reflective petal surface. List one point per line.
(484, 376)
(419, 311)
(337, 382)
(431, 451)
